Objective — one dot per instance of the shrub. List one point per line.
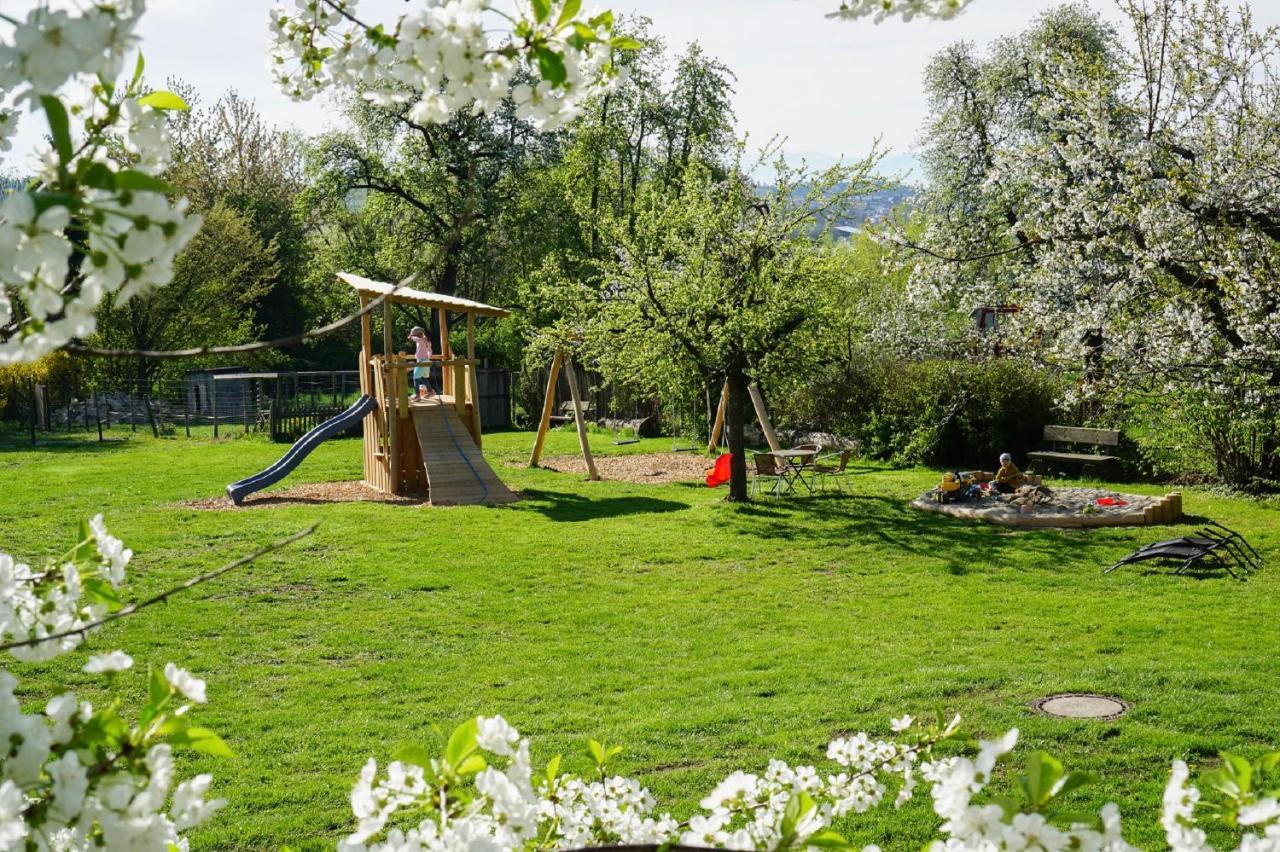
(946, 412)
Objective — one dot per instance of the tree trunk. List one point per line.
(735, 419)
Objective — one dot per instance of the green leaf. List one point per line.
(541, 10)
(159, 689)
(87, 550)
(585, 33)
(550, 65)
(604, 19)
(625, 43)
(163, 100)
(570, 10)
(1239, 769)
(59, 127)
(100, 591)
(472, 765)
(414, 754)
(201, 740)
(791, 815)
(462, 742)
(827, 840)
(1043, 772)
(1074, 781)
(44, 200)
(98, 176)
(137, 71)
(130, 179)
(553, 768)
(596, 751)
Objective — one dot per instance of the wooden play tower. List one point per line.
(430, 446)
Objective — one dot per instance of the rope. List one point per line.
(444, 415)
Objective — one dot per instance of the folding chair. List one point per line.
(1221, 546)
(834, 473)
(768, 468)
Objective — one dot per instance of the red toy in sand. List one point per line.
(719, 474)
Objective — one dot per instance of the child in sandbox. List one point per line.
(422, 372)
(1008, 477)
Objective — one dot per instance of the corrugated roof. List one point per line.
(410, 296)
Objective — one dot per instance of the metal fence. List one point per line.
(222, 401)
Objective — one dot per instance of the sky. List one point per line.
(829, 88)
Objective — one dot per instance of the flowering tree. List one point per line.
(97, 220)
(1124, 192)
(880, 10)
(78, 776)
(481, 792)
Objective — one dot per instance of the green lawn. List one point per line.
(703, 636)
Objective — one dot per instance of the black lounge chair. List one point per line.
(1214, 545)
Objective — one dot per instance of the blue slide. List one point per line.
(363, 406)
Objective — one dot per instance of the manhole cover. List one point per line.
(1075, 705)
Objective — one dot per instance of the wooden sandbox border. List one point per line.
(1167, 511)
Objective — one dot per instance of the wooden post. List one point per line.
(459, 382)
(579, 419)
(97, 416)
(33, 412)
(763, 416)
(718, 426)
(446, 376)
(392, 401)
(213, 406)
(473, 378)
(548, 404)
(366, 347)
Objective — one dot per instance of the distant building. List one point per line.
(232, 398)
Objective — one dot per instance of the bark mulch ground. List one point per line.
(309, 494)
(650, 467)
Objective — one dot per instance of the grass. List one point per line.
(703, 636)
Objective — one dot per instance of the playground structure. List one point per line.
(429, 446)
(579, 418)
(579, 406)
(762, 414)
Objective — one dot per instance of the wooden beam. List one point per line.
(366, 346)
(446, 377)
(579, 419)
(392, 403)
(763, 416)
(718, 426)
(548, 405)
(473, 379)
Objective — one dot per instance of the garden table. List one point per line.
(793, 466)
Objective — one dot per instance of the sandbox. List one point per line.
(1071, 508)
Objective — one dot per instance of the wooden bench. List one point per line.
(566, 412)
(1066, 440)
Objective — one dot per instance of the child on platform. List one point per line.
(422, 372)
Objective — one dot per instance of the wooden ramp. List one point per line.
(457, 473)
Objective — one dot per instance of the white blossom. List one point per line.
(183, 681)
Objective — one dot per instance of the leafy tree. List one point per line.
(1124, 191)
(228, 154)
(716, 277)
(218, 279)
